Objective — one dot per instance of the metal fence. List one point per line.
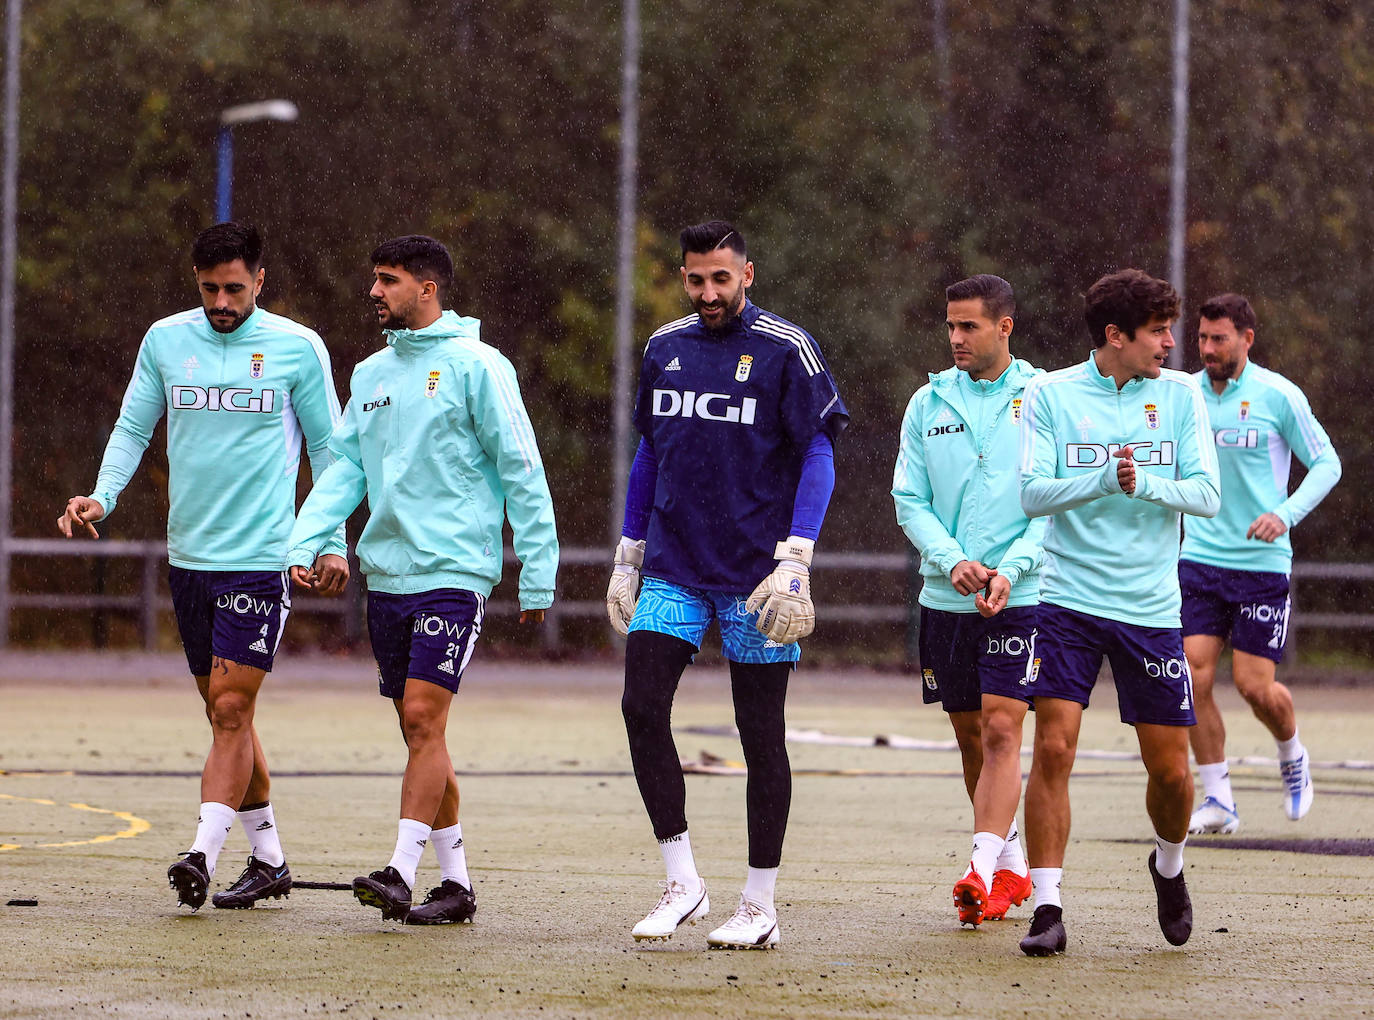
(147, 603)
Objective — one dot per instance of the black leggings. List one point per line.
(653, 666)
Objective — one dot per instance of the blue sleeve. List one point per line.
(814, 488)
(811, 401)
(639, 494)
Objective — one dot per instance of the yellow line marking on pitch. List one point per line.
(137, 825)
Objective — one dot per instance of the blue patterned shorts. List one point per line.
(685, 613)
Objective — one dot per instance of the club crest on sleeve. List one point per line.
(1016, 411)
(432, 386)
(255, 366)
(1151, 416)
(746, 362)
(1245, 410)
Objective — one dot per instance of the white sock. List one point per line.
(453, 858)
(759, 885)
(1047, 882)
(260, 826)
(1013, 856)
(678, 860)
(1168, 857)
(411, 837)
(1291, 749)
(987, 847)
(212, 829)
(1216, 782)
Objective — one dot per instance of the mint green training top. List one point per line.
(1107, 553)
(956, 486)
(435, 435)
(1259, 421)
(237, 406)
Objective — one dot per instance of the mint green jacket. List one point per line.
(1259, 421)
(436, 436)
(239, 407)
(1109, 553)
(956, 486)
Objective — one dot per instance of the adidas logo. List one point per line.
(457, 844)
(945, 415)
(264, 825)
(1085, 423)
(446, 667)
(379, 391)
(673, 366)
(190, 364)
(258, 646)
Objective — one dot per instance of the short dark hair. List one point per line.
(419, 255)
(709, 236)
(995, 293)
(225, 242)
(1229, 306)
(1127, 300)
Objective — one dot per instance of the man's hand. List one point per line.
(331, 574)
(305, 577)
(83, 512)
(622, 593)
(1266, 527)
(995, 599)
(969, 576)
(531, 616)
(1125, 470)
(783, 598)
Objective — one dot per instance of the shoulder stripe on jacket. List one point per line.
(672, 327)
(786, 331)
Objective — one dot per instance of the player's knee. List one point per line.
(420, 727)
(643, 711)
(230, 711)
(1054, 754)
(1175, 778)
(1256, 691)
(1001, 736)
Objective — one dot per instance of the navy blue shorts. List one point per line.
(1153, 684)
(236, 615)
(429, 636)
(1248, 606)
(964, 656)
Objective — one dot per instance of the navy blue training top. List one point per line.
(729, 415)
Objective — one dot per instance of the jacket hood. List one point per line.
(450, 325)
(1018, 373)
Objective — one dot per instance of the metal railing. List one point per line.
(148, 602)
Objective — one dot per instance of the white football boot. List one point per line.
(750, 927)
(679, 905)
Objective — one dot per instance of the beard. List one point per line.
(395, 318)
(1221, 370)
(732, 305)
(229, 325)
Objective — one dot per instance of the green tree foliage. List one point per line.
(871, 153)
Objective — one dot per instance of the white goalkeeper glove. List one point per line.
(623, 591)
(783, 599)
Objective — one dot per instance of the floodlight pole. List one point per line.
(625, 271)
(245, 113)
(1178, 174)
(9, 251)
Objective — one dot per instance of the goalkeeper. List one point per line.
(738, 412)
